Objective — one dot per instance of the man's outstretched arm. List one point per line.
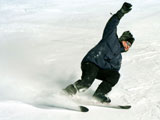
(114, 20)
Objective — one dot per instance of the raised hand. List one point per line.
(126, 8)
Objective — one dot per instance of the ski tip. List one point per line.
(125, 107)
(83, 109)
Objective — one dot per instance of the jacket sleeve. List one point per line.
(111, 25)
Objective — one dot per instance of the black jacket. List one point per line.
(107, 53)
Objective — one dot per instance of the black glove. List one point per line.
(127, 36)
(126, 8)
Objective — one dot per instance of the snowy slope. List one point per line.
(41, 47)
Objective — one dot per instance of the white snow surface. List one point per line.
(42, 43)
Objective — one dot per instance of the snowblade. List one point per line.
(110, 105)
(76, 108)
(84, 109)
(93, 102)
(125, 106)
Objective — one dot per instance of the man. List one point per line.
(103, 62)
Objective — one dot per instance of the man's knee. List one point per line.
(88, 79)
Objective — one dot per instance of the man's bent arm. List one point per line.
(111, 25)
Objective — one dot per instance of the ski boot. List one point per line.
(101, 98)
(72, 89)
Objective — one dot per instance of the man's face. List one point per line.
(126, 45)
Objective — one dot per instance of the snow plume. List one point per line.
(32, 62)
(27, 70)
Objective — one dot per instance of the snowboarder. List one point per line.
(103, 62)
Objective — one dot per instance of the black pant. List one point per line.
(90, 72)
